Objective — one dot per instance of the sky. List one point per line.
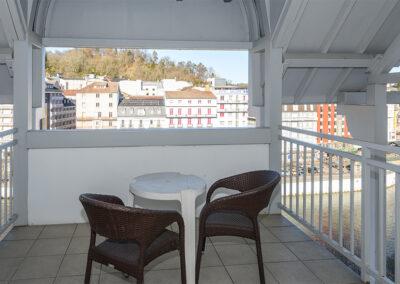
(232, 65)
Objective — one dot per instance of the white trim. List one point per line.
(158, 44)
(385, 78)
(338, 84)
(331, 60)
(151, 137)
(304, 84)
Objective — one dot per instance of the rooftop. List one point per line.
(190, 94)
(99, 87)
(142, 101)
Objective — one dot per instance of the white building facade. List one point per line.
(96, 106)
(233, 106)
(142, 112)
(191, 108)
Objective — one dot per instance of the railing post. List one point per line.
(369, 215)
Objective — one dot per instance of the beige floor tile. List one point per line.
(15, 248)
(332, 271)
(38, 267)
(82, 230)
(309, 250)
(210, 257)
(116, 278)
(215, 275)
(8, 266)
(274, 220)
(227, 240)
(24, 233)
(292, 272)
(289, 234)
(266, 236)
(49, 247)
(78, 245)
(249, 274)
(236, 254)
(75, 264)
(57, 231)
(33, 281)
(169, 260)
(94, 279)
(162, 276)
(275, 252)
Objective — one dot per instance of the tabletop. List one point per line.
(166, 185)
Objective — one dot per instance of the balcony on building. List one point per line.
(299, 52)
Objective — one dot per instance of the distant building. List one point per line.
(78, 83)
(60, 112)
(6, 116)
(191, 108)
(142, 112)
(96, 106)
(233, 106)
(302, 117)
(151, 88)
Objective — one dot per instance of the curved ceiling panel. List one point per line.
(3, 38)
(195, 20)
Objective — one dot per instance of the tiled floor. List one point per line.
(56, 254)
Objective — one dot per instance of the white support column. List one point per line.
(256, 85)
(23, 122)
(273, 112)
(38, 85)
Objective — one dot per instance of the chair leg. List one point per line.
(259, 254)
(140, 277)
(88, 269)
(200, 249)
(183, 263)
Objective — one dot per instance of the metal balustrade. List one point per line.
(341, 195)
(7, 215)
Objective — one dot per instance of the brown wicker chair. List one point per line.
(134, 237)
(236, 215)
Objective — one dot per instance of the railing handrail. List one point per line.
(8, 132)
(362, 143)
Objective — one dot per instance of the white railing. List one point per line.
(7, 216)
(348, 197)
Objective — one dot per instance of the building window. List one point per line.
(179, 111)
(122, 123)
(110, 96)
(130, 123)
(189, 111)
(97, 104)
(180, 121)
(222, 98)
(209, 121)
(221, 114)
(110, 123)
(171, 111)
(209, 102)
(171, 121)
(199, 111)
(110, 104)
(209, 111)
(189, 101)
(110, 114)
(221, 106)
(189, 121)
(97, 96)
(199, 102)
(99, 114)
(199, 121)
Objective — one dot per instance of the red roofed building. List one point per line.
(191, 108)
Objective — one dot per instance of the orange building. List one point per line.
(329, 122)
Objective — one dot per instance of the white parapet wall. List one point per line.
(58, 176)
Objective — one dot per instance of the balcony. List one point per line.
(299, 52)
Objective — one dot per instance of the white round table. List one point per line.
(182, 188)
